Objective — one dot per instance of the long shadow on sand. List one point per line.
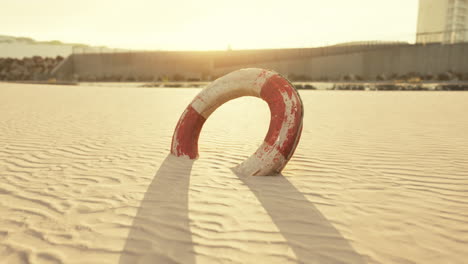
(309, 234)
(160, 231)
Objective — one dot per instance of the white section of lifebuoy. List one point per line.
(244, 82)
(269, 158)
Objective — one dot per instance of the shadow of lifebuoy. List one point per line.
(308, 233)
(160, 232)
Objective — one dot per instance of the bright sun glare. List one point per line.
(209, 24)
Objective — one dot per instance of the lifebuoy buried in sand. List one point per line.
(285, 124)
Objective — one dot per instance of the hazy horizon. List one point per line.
(210, 25)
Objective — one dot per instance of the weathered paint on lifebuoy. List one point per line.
(285, 124)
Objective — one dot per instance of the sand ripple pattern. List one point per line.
(85, 177)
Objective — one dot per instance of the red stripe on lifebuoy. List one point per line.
(278, 92)
(187, 132)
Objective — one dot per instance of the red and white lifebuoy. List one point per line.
(285, 124)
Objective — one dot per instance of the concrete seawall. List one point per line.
(315, 63)
(430, 59)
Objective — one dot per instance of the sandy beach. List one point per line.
(86, 177)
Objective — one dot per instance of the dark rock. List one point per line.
(309, 87)
(445, 76)
(35, 68)
(381, 77)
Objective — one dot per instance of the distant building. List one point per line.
(444, 21)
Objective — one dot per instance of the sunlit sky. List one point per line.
(209, 24)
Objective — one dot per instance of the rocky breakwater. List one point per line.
(28, 69)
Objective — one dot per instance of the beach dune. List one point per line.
(86, 177)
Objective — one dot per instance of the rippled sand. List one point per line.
(85, 177)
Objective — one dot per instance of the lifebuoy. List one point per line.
(285, 124)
